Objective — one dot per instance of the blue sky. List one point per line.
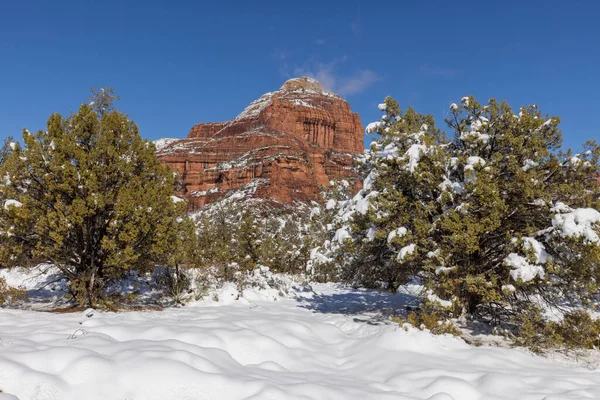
(176, 63)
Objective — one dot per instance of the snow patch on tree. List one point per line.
(434, 298)
(581, 222)
(405, 251)
(398, 232)
(523, 269)
(373, 127)
(12, 203)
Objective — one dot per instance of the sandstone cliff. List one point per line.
(284, 146)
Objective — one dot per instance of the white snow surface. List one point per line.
(330, 342)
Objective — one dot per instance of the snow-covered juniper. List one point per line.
(491, 220)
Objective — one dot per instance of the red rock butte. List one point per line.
(285, 146)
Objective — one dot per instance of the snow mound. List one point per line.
(318, 346)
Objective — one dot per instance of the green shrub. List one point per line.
(11, 295)
(577, 330)
(436, 322)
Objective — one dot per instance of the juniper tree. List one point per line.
(7, 146)
(485, 220)
(89, 195)
(291, 248)
(216, 240)
(177, 255)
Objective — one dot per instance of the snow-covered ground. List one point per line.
(326, 343)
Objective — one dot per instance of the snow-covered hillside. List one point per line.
(163, 142)
(326, 343)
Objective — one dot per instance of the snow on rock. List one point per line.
(176, 199)
(319, 346)
(581, 222)
(256, 106)
(163, 142)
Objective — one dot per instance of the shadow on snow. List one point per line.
(377, 305)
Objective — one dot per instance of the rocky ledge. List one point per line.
(285, 146)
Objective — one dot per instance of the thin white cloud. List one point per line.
(280, 57)
(432, 70)
(344, 85)
(355, 27)
(357, 83)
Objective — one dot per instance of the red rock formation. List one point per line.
(285, 146)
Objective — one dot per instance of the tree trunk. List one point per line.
(91, 298)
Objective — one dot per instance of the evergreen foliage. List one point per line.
(237, 234)
(577, 330)
(89, 195)
(7, 146)
(490, 220)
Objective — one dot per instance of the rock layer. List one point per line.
(285, 146)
